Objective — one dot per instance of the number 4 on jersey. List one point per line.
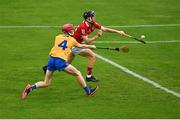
(63, 44)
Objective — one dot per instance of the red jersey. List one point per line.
(84, 29)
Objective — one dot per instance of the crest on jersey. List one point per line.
(83, 31)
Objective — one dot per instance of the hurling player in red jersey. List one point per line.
(81, 35)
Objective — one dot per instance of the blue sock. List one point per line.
(33, 87)
(87, 89)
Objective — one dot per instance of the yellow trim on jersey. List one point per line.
(62, 46)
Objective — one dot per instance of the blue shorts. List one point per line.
(55, 63)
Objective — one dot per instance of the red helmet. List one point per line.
(67, 28)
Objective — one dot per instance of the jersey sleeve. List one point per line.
(75, 43)
(96, 25)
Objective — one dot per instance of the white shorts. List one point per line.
(77, 50)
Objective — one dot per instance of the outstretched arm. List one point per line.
(86, 46)
(105, 29)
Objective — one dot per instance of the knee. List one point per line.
(92, 56)
(46, 84)
(77, 73)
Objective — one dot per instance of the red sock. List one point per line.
(89, 71)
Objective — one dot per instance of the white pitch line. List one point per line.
(28, 26)
(140, 26)
(139, 76)
(130, 42)
(112, 26)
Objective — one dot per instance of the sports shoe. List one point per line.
(93, 90)
(91, 79)
(44, 69)
(26, 91)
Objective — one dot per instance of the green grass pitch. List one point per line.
(23, 51)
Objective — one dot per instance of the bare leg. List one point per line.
(45, 83)
(47, 80)
(70, 58)
(91, 61)
(90, 55)
(73, 71)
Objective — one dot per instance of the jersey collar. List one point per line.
(86, 23)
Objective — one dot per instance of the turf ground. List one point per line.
(24, 50)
